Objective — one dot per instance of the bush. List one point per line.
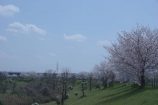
(134, 85)
(16, 100)
(76, 94)
(98, 86)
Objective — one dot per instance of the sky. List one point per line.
(35, 35)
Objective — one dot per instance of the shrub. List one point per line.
(16, 100)
(76, 94)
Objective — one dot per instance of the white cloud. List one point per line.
(25, 28)
(75, 37)
(8, 10)
(103, 43)
(2, 38)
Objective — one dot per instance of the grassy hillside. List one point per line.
(117, 95)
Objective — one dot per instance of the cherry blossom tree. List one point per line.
(105, 73)
(135, 53)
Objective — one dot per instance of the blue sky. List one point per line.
(36, 34)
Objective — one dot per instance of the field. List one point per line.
(117, 95)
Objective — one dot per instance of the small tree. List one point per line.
(64, 83)
(73, 79)
(105, 73)
(110, 78)
(12, 85)
(83, 87)
(90, 81)
(50, 77)
(3, 83)
(83, 78)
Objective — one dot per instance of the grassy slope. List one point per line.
(117, 95)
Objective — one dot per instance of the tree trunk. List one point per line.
(142, 79)
(90, 84)
(62, 98)
(105, 84)
(83, 90)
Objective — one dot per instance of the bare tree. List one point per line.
(51, 78)
(83, 77)
(3, 84)
(73, 79)
(135, 53)
(64, 83)
(90, 77)
(83, 87)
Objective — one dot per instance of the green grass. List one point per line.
(117, 95)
